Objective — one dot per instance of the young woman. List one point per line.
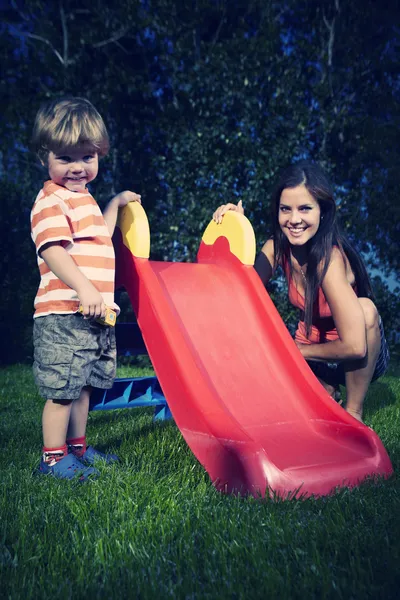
(340, 332)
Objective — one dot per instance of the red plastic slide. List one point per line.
(243, 397)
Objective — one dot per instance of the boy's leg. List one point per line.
(55, 420)
(102, 376)
(93, 364)
(76, 434)
(359, 373)
(79, 414)
(55, 459)
(51, 368)
(64, 352)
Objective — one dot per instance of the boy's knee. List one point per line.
(371, 314)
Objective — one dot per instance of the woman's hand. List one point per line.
(221, 210)
(301, 347)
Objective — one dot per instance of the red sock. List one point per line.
(77, 446)
(51, 456)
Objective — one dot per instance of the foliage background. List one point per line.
(205, 100)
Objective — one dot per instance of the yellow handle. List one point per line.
(110, 318)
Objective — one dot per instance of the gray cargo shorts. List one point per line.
(71, 352)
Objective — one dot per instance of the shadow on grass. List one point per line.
(124, 415)
(141, 429)
(379, 396)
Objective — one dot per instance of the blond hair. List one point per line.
(67, 123)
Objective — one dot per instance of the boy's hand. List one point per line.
(111, 211)
(123, 198)
(221, 210)
(92, 301)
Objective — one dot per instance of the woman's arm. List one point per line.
(265, 262)
(347, 314)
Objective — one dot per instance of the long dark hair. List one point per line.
(320, 245)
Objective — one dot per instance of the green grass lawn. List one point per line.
(154, 526)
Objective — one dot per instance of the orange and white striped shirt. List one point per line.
(75, 220)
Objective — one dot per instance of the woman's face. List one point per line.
(299, 215)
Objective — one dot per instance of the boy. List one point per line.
(72, 351)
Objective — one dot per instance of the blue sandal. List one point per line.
(68, 467)
(91, 455)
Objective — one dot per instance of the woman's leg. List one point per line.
(332, 390)
(359, 373)
(330, 377)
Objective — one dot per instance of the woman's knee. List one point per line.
(371, 314)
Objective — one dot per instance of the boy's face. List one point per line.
(73, 168)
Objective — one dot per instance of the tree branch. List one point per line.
(17, 9)
(41, 39)
(65, 33)
(331, 28)
(114, 38)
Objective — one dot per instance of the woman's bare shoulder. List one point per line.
(339, 261)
